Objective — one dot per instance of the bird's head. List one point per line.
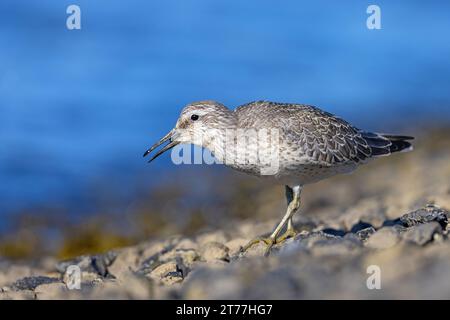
(197, 124)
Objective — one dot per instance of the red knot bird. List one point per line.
(288, 144)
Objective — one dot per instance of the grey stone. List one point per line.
(340, 247)
(30, 283)
(364, 234)
(365, 211)
(156, 258)
(236, 245)
(50, 291)
(384, 238)
(96, 264)
(422, 234)
(125, 262)
(169, 272)
(309, 239)
(214, 251)
(424, 215)
(18, 295)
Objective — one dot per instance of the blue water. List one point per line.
(78, 108)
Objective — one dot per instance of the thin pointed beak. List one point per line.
(170, 145)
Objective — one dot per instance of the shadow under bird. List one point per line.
(311, 145)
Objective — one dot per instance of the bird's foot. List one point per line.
(269, 242)
(290, 233)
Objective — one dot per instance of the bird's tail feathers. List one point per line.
(385, 144)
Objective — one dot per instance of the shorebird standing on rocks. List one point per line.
(289, 144)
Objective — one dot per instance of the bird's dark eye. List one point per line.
(194, 117)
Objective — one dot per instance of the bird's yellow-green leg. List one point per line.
(289, 233)
(293, 199)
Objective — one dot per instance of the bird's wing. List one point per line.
(325, 138)
(320, 136)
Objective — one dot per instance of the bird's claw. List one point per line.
(290, 233)
(269, 242)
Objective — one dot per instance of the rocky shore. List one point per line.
(411, 254)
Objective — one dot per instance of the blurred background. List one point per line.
(79, 107)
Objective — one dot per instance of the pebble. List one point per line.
(212, 251)
(384, 238)
(424, 215)
(423, 234)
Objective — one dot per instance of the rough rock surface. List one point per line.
(412, 253)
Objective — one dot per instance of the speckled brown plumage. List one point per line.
(319, 135)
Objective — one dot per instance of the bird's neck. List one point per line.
(219, 142)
